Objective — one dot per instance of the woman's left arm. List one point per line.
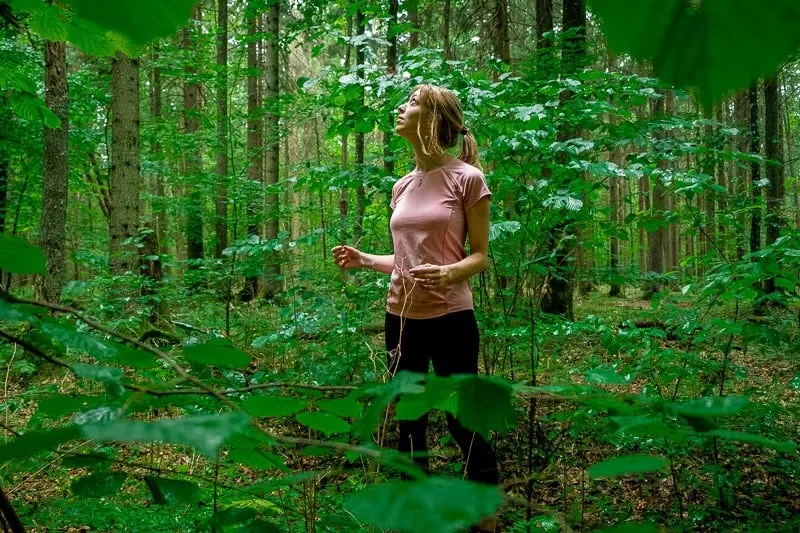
(475, 262)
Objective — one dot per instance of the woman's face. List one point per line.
(409, 116)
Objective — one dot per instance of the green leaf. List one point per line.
(711, 406)
(171, 491)
(96, 461)
(605, 375)
(34, 442)
(438, 393)
(485, 404)
(258, 459)
(59, 405)
(206, 433)
(19, 312)
(268, 406)
(19, 257)
(110, 377)
(629, 464)
(325, 422)
(690, 43)
(784, 446)
(437, 504)
(344, 407)
(384, 393)
(98, 485)
(65, 332)
(217, 352)
(142, 23)
(497, 229)
(632, 527)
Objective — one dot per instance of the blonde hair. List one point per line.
(446, 122)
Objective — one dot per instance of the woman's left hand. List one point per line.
(432, 276)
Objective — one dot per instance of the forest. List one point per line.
(180, 352)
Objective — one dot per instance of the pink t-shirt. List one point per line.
(429, 225)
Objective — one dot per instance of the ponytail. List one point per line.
(469, 148)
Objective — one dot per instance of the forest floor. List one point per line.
(711, 486)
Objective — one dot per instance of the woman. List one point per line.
(429, 311)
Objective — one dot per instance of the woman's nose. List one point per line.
(401, 109)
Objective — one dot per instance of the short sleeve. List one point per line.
(393, 202)
(475, 188)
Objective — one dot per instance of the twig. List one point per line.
(181, 392)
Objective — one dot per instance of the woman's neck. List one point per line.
(430, 161)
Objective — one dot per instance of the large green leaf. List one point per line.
(98, 485)
(67, 334)
(716, 46)
(383, 394)
(205, 433)
(785, 446)
(110, 377)
(217, 352)
(255, 458)
(628, 464)
(19, 257)
(58, 405)
(171, 491)
(140, 21)
(268, 406)
(435, 504)
(711, 407)
(344, 407)
(34, 442)
(438, 393)
(485, 404)
(325, 422)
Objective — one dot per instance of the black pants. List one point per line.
(451, 342)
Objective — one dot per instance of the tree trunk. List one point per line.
(194, 158)
(773, 151)
(273, 283)
(255, 140)
(614, 202)
(4, 166)
(159, 209)
(391, 67)
(501, 42)
(359, 140)
(655, 243)
(755, 172)
(741, 111)
(123, 225)
(558, 296)
(53, 233)
(344, 195)
(413, 17)
(544, 38)
(446, 15)
(221, 204)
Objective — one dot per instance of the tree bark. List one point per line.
(344, 195)
(558, 296)
(773, 151)
(159, 209)
(272, 145)
(502, 44)
(545, 63)
(255, 140)
(53, 233)
(359, 139)
(655, 242)
(446, 15)
(221, 204)
(755, 172)
(194, 158)
(125, 186)
(413, 18)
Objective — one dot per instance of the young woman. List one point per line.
(429, 310)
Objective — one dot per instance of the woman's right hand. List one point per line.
(347, 257)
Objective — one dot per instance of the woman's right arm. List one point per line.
(348, 257)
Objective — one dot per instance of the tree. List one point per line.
(221, 204)
(125, 167)
(359, 137)
(773, 151)
(412, 8)
(272, 143)
(501, 41)
(558, 296)
(755, 171)
(194, 158)
(255, 137)
(446, 16)
(656, 238)
(156, 109)
(53, 233)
